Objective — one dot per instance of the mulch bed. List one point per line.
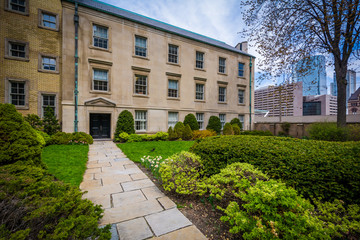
(199, 211)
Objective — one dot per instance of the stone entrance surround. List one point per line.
(133, 205)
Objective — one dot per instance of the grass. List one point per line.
(66, 162)
(135, 151)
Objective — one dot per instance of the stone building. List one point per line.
(157, 71)
(354, 102)
(30, 55)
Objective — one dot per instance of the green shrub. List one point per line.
(50, 122)
(228, 129)
(161, 136)
(187, 134)
(45, 136)
(257, 133)
(237, 122)
(123, 137)
(317, 169)
(36, 206)
(34, 121)
(40, 138)
(354, 132)
(125, 123)
(270, 210)
(232, 180)
(18, 140)
(327, 132)
(179, 129)
(60, 138)
(201, 134)
(191, 120)
(81, 138)
(214, 124)
(181, 172)
(237, 130)
(341, 222)
(172, 134)
(134, 138)
(285, 126)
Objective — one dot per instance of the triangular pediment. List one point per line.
(100, 102)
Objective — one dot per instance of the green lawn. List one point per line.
(135, 151)
(66, 162)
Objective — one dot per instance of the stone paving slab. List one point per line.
(190, 233)
(105, 190)
(136, 229)
(90, 184)
(152, 192)
(120, 199)
(138, 176)
(115, 179)
(166, 202)
(129, 186)
(174, 220)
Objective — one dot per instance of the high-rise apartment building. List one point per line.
(312, 73)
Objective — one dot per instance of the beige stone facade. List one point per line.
(149, 86)
(30, 54)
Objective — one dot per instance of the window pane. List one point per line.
(200, 120)
(241, 70)
(140, 84)
(173, 118)
(199, 60)
(173, 54)
(17, 50)
(18, 5)
(17, 93)
(49, 20)
(48, 102)
(222, 62)
(140, 120)
(241, 96)
(140, 46)
(49, 63)
(100, 36)
(199, 91)
(100, 80)
(222, 94)
(222, 120)
(173, 88)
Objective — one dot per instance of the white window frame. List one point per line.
(173, 118)
(199, 60)
(222, 117)
(172, 89)
(11, 94)
(100, 37)
(42, 103)
(200, 120)
(241, 97)
(140, 120)
(173, 56)
(241, 118)
(100, 80)
(241, 71)
(199, 93)
(140, 50)
(222, 66)
(137, 86)
(222, 96)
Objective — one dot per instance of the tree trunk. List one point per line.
(340, 71)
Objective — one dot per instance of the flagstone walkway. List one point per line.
(134, 206)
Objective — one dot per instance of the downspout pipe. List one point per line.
(76, 92)
(250, 66)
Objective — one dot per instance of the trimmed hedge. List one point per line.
(18, 140)
(60, 138)
(214, 124)
(191, 120)
(317, 169)
(125, 123)
(33, 205)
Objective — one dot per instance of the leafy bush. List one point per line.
(270, 210)
(232, 180)
(33, 205)
(237, 130)
(327, 132)
(18, 140)
(317, 169)
(341, 221)
(40, 138)
(172, 134)
(123, 137)
(61, 138)
(200, 134)
(228, 129)
(257, 133)
(160, 136)
(179, 129)
(187, 134)
(50, 122)
(135, 138)
(181, 172)
(81, 138)
(191, 120)
(354, 132)
(237, 122)
(125, 123)
(285, 126)
(214, 124)
(45, 136)
(34, 121)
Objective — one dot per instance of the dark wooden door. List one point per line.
(100, 125)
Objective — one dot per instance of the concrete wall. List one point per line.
(122, 65)
(25, 28)
(298, 125)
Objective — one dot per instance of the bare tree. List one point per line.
(287, 31)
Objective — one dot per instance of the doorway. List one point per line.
(100, 125)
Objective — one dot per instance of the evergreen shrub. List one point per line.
(33, 205)
(179, 129)
(257, 133)
(125, 123)
(237, 122)
(317, 169)
(135, 138)
(18, 140)
(34, 121)
(214, 124)
(191, 120)
(327, 131)
(187, 134)
(228, 129)
(63, 138)
(237, 130)
(172, 134)
(200, 134)
(50, 122)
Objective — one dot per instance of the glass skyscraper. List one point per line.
(350, 87)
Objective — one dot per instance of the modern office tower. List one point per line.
(319, 105)
(312, 73)
(284, 100)
(350, 87)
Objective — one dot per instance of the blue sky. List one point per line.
(219, 19)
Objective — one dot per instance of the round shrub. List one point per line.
(60, 138)
(135, 138)
(123, 137)
(81, 138)
(187, 134)
(160, 136)
(18, 140)
(179, 129)
(228, 129)
(181, 172)
(172, 134)
(201, 134)
(214, 124)
(191, 120)
(236, 128)
(237, 122)
(125, 123)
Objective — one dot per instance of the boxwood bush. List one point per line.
(317, 169)
(33, 205)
